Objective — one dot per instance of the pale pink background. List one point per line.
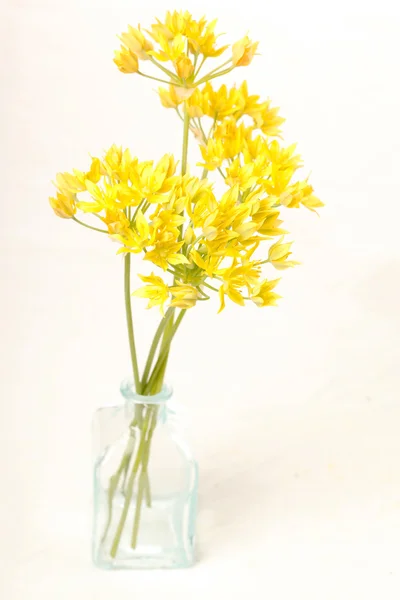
(295, 411)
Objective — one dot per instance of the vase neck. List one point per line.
(132, 397)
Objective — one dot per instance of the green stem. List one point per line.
(160, 80)
(207, 78)
(185, 145)
(166, 71)
(138, 509)
(139, 206)
(209, 286)
(89, 226)
(221, 172)
(129, 491)
(200, 65)
(154, 346)
(178, 113)
(163, 357)
(216, 69)
(129, 321)
(143, 478)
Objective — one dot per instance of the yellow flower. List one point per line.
(93, 174)
(284, 157)
(241, 275)
(166, 252)
(232, 136)
(195, 104)
(202, 39)
(267, 119)
(126, 61)
(136, 238)
(300, 193)
(63, 205)
(185, 296)
(170, 49)
(243, 52)
(156, 291)
(241, 175)
(117, 222)
(278, 255)
(213, 155)
(184, 67)
(207, 263)
(221, 103)
(175, 23)
(69, 184)
(269, 222)
(249, 104)
(231, 291)
(170, 98)
(113, 159)
(154, 181)
(103, 198)
(135, 41)
(262, 294)
(199, 34)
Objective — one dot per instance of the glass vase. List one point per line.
(145, 485)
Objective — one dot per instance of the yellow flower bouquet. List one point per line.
(195, 243)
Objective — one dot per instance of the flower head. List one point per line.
(200, 238)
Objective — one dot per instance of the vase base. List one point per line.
(173, 560)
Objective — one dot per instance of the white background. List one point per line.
(295, 411)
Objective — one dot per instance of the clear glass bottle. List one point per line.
(145, 485)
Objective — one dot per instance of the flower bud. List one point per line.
(63, 206)
(184, 67)
(126, 61)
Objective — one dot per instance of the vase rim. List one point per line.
(127, 389)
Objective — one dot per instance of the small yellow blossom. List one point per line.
(278, 255)
(232, 136)
(170, 50)
(136, 42)
(117, 222)
(213, 155)
(69, 184)
(170, 98)
(126, 61)
(262, 294)
(63, 205)
(166, 252)
(156, 291)
(153, 181)
(241, 175)
(220, 103)
(175, 23)
(249, 104)
(232, 292)
(202, 39)
(300, 193)
(243, 52)
(267, 119)
(195, 104)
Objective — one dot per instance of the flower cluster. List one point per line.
(181, 41)
(199, 241)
